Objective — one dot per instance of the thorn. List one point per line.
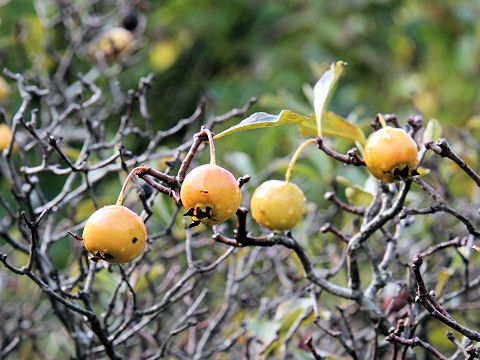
(76, 237)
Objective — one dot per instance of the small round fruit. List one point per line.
(115, 234)
(114, 42)
(210, 194)
(391, 154)
(277, 205)
(5, 137)
(4, 89)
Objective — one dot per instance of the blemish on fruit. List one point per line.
(107, 256)
(134, 240)
(223, 198)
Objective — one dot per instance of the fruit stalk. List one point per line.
(127, 180)
(212, 146)
(302, 146)
(382, 120)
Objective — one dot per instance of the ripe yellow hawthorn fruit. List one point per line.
(277, 204)
(6, 137)
(391, 154)
(113, 42)
(115, 234)
(4, 89)
(210, 194)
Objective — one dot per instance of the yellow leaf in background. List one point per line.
(422, 171)
(35, 37)
(474, 123)
(442, 277)
(332, 125)
(163, 55)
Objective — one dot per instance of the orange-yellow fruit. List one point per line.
(391, 154)
(115, 234)
(4, 89)
(277, 205)
(113, 43)
(210, 194)
(5, 137)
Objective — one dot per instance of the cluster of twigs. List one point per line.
(168, 303)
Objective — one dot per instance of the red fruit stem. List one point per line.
(127, 180)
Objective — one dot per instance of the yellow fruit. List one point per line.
(4, 89)
(6, 137)
(115, 234)
(210, 194)
(114, 42)
(391, 154)
(277, 205)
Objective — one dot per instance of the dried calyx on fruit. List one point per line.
(210, 193)
(391, 154)
(114, 233)
(277, 204)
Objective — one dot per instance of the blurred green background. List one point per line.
(403, 56)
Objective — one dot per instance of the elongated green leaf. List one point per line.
(323, 90)
(262, 120)
(433, 130)
(332, 125)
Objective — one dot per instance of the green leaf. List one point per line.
(323, 89)
(355, 194)
(332, 125)
(433, 130)
(262, 120)
(265, 331)
(289, 307)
